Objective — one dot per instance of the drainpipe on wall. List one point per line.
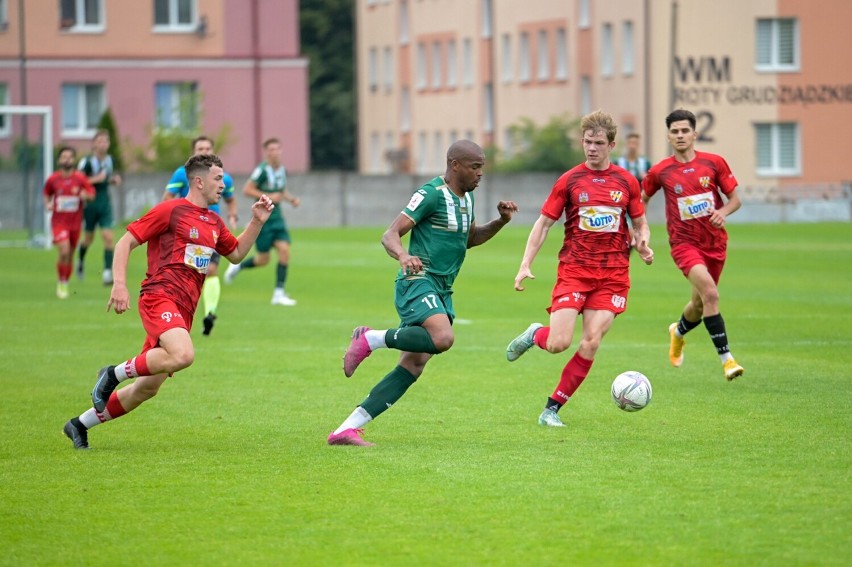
(255, 55)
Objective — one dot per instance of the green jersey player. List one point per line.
(441, 221)
(270, 178)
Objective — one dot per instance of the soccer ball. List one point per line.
(631, 391)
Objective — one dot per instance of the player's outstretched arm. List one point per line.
(260, 212)
(392, 243)
(642, 238)
(482, 234)
(119, 297)
(537, 236)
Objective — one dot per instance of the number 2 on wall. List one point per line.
(703, 124)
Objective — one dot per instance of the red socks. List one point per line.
(540, 337)
(113, 407)
(572, 376)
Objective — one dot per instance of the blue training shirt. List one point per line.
(179, 187)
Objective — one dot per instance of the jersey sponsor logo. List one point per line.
(67, 203)
(204, 218)
(574, 296)
(416, 199)
(616, 196)
(704, 182)
(618, 301)
(167, 316)
(689, 170)
(598, 180)
(197, 257)
(695, 206)
(193, 233)
(678, 188)
(583, 198)
(600, 219)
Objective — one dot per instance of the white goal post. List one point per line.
(46, 112)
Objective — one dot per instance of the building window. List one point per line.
(561, 55)
(585, 95)
(373, 68)
(488, 94)
(467, 62)
(778, 148)
(440, 158)
(422, 162)
(421, 66)
(777, 45)
(81, 15)
(5, 127)
(404, 33)
(405, 110)
(375, 152)
(486, 18)
(628, 65)
(506, 58)
(524, 58)
(4, 15)
(436, 65)
(584, 17)
(388, 65)
(606, 50)
(177, 105)
(452, 64)
(543, 56)
(82, 107)
(390, 152)
(175, 15)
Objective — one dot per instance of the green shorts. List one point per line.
(98, 213)
(418, 299)
(273, 231)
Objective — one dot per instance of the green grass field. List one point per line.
(229, 465)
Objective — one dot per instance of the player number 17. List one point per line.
(431, 301)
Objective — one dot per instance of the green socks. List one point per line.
(410, 339)
(388, 391)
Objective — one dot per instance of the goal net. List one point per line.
(26, 161)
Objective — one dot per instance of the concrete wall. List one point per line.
(348, 199)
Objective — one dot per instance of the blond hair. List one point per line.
(599, 121)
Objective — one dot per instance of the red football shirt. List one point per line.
(596, 205)
(181, 239)
(692, 192)
(66, 193)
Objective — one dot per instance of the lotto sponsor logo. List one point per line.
(600, 219)
(695, 206)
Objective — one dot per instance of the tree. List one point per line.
(327, 40)
(549, 148)
(107, 122)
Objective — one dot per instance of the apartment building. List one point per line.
(766, 78)
(205, 65)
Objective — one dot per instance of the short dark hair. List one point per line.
(632, 135)
(678, 115)
(199, 165)
(71, 149)
(100, 132)
(201, 139)
(268, 141)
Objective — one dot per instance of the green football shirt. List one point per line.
(442, 223)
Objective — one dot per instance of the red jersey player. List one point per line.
(64, 195)
(182, 235)
(693, 184)
(593, 273)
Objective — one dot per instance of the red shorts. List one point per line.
(590, 288)
(160, 313)
(62, 232)
(687, 256)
